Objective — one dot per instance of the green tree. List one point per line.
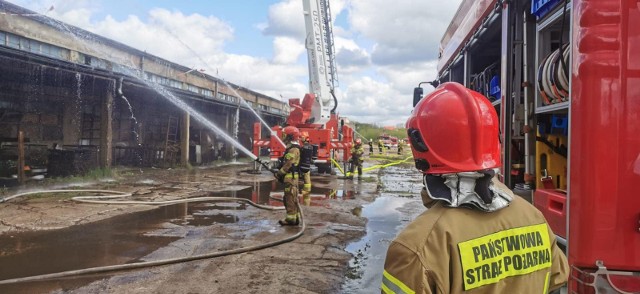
(371, 131)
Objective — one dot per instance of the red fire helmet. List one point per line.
(358, 141)
(292, 132)
(454, 129)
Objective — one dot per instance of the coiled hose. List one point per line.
(108, 199)
(553, 77)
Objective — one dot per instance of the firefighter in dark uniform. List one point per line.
(306, 156)
(370, 146)
(476, 236)
(288, 174)
(380, 145)
(400, 146)
(356, 158)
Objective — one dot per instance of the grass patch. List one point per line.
(92, 175)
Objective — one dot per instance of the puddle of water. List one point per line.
(387, 216)
(365, 269)
(116, 240)
(206, 214)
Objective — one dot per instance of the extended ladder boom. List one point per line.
(320, 52)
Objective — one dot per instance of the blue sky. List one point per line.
(383, 48)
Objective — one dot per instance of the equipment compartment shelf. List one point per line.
(558, 107)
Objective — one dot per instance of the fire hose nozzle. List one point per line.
(263, 163)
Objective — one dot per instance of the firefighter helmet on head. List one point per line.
(358, 141)
(454, 129)
(291, 133)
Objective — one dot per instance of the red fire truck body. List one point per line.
(572, 147)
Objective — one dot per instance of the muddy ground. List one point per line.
(349, 226)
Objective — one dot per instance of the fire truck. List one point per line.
(316, 113)
(564, 77)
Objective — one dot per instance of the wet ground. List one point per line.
(349, 226)
(392, 210)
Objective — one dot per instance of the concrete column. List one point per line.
(184, 138)
(70, 123)
(106, 130)
(21, 176)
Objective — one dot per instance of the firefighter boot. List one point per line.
(290, 220)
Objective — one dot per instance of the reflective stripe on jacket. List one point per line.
(291, 160)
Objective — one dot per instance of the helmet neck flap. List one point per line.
(476, 190)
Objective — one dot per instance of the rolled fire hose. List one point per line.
(553, 80)
(108, 199)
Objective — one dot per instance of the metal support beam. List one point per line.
(529, 95)
(506, 70)
(467, 69)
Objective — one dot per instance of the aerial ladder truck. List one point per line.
(316, 113)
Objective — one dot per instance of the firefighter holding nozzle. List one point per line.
(288, 173)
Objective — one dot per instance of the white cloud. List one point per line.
(350, 57)
(287, 50)
(285, 19)
(368, 100)
(403, 30)
(383, 50)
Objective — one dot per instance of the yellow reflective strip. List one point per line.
(546, 284)
(386, 290)
(397, 283)
(386, 165)
(491, 258)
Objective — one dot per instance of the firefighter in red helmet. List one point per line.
(476, 236)
(288, 174)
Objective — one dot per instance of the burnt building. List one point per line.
(87, 101)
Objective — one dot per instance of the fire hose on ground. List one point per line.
(377, 166)
(109, 199)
